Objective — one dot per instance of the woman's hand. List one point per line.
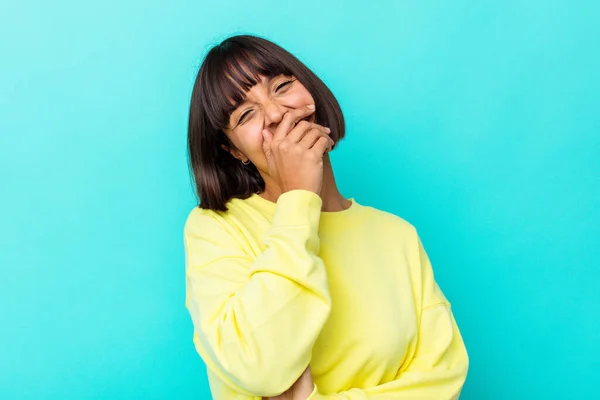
(300, 390)
(295, 152)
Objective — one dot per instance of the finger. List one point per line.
(267, 139)
(289, 119)
(298, 132)
(321, 145)
(310, 138)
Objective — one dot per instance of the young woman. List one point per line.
(295, 291)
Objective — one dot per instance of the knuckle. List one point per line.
(303, 124)
(284, 145)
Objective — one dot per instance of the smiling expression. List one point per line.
(263, 106)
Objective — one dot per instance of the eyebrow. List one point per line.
(237, 105)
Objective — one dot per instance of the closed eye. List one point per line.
(284, 84)
(241, 119)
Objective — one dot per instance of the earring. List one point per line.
(246, 162)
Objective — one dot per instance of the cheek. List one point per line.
(254, 141)
(251, 139)
(299, 97)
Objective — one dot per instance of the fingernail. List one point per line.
(310, 106)
(327, 129)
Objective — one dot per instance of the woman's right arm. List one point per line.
(257, 319)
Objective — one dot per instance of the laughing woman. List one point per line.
(295, 291)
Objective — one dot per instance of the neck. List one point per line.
(330, 194)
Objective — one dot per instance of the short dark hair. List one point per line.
(229, 70)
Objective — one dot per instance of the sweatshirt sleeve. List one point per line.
(256, 318)
(439, 365)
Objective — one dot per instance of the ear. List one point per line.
(235, 153)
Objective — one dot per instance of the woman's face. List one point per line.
(264, 106)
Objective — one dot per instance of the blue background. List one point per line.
(478, 123)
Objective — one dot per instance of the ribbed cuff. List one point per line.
(298, 207)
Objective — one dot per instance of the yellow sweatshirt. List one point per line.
(274, 287)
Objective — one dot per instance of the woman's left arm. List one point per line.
(439, 365)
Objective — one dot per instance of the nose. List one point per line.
(273, 114)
